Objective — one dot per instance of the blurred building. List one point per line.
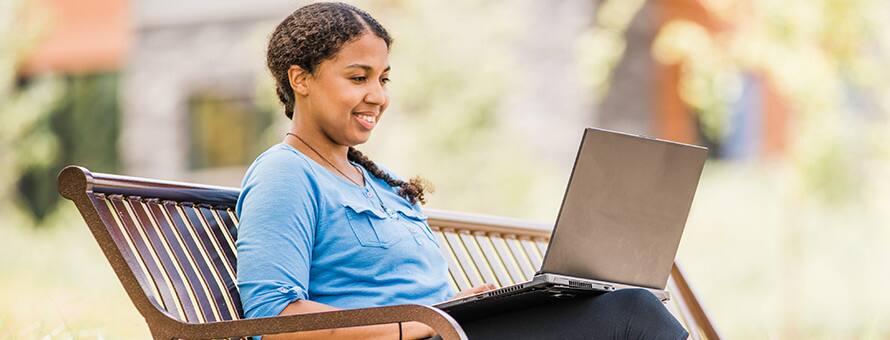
(189, 85)
(186, 75)
(188, 81)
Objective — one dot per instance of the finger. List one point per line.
(483, 288)
(479, 288)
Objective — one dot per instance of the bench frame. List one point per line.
(82, 187)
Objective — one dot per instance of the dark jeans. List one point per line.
(622, 314)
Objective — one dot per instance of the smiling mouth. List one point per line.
(367, 121)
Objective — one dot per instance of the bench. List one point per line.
(172, 246)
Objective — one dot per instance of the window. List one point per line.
(225, 130)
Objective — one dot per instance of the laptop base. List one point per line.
(542, 288)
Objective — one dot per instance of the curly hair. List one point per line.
(315, 33)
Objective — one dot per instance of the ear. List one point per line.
(298, 78)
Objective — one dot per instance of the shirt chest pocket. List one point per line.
(416, 224)
(375, 228)
(370, 226)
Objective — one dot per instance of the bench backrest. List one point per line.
(172, 246)
(176, 240)
(504, 251)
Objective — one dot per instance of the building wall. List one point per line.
(181, 48)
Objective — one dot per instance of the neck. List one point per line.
(321, 142)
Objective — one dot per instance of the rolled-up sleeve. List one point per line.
(278, 213)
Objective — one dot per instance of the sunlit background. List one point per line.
(788, 237)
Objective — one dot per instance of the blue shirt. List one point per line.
(306, 233)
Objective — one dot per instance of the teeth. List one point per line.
(369, 119)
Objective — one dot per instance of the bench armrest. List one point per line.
(442, 323)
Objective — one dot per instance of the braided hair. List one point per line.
(315, 33)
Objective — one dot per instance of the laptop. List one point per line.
(619, 225)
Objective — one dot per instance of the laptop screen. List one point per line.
(624, 209)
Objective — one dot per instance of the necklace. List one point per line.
(326, 160)
(379, 200)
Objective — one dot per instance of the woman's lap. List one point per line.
(623, 314)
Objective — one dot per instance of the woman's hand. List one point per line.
(474, 290)
(412, 330)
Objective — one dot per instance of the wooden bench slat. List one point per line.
(233, 229)
(226, 267)
(185, 264)
(125, 247)
(468, 267)
(223, 276)
(542, 246)
(210, 223)
(165, 257)
(458, 280)
(532, 252)
(222, 244)
(156, 276)
(522, 259)
(202, 263)
(482, 264)
(507, 258)
(492, 257)
(229, 230)
(454, 265)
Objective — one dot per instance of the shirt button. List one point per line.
(368, 193)
(283, 290)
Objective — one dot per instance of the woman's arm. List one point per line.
(410, 330)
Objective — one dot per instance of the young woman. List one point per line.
(323, 227)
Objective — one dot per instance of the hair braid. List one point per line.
(413, 190)
(315, 33)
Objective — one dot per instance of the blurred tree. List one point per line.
(85, 122)
(451, 80)
(24, 141)
(826, 62)
(602, 46)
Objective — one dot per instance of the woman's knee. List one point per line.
(633, 299)
(648, 314)
(617, 306)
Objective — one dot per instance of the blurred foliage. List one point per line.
(811, 214)
(446, 107)
(602, 45)
(48, 122)
(25, 140)
(85, 122)
(446, 102)
(827, 59)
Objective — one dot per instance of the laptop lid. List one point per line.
(624, 209)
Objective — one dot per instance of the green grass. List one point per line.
(56, 283)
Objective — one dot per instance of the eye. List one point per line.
(358, 79)
(384, 80)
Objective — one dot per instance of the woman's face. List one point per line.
(346, 97)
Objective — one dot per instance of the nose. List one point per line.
(376, 94)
